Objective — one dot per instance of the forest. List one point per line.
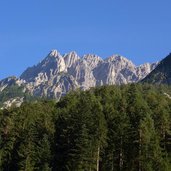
(108, 128)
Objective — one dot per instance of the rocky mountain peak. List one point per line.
(92, 60)
(144, 69)
(57, 74)
(70, 59)
(93, 57)
(119, 58)
(53, 53)
(73, 53)
(52, 65)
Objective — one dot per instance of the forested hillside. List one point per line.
(110, 128)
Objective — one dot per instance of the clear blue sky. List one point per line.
(137, 29)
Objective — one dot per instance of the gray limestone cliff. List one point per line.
(58, 74)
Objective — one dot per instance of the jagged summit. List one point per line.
(73, 53)
(54, 77)
(91, 57)
(118, 58)
(70, 59)
(57, 74)
(53, 53)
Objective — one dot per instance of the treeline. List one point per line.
(15, 91)
(110, 128)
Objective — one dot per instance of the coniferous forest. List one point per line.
(109, 128)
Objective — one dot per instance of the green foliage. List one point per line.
(126, 128)
(14, 91)
(11, 91)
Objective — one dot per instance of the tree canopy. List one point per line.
(109, 128)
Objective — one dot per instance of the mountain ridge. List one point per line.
(161, 74)
(57, 74)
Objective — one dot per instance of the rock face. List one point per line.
(57, 74)
(161, 74)
(17, 101)
(10, 81)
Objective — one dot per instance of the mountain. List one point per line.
(161, 74)
(57, 74)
